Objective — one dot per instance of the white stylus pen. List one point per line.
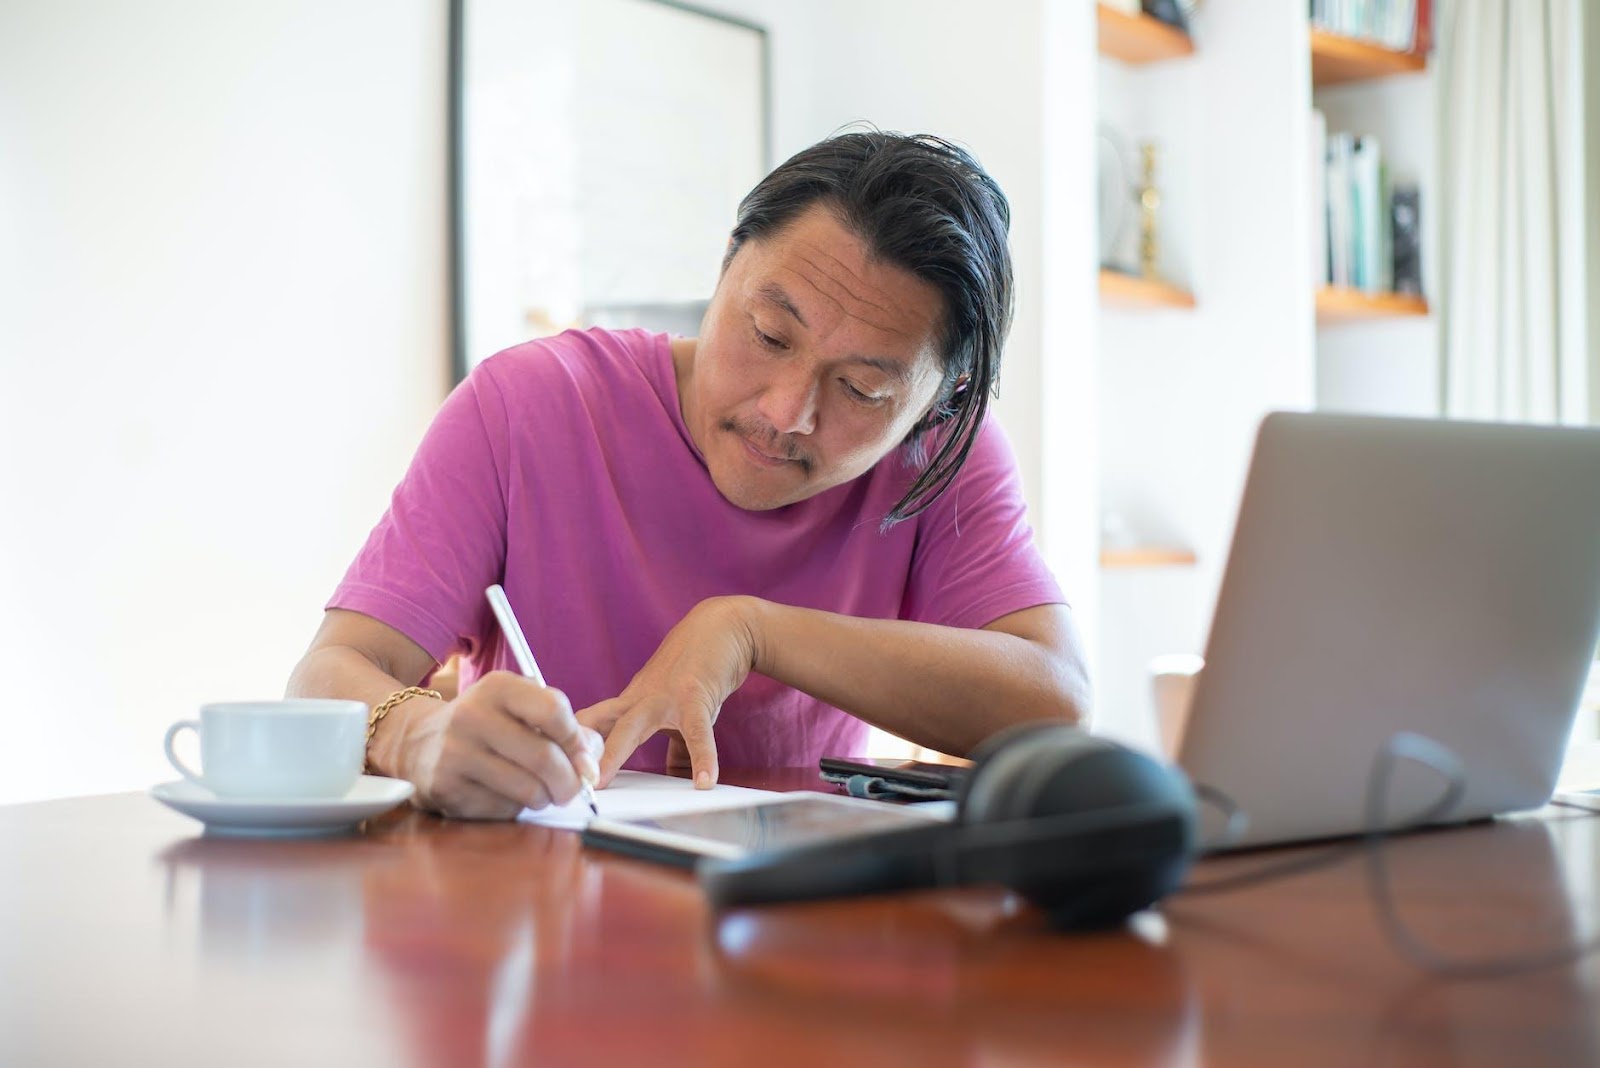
(524, 656)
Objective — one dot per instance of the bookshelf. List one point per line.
(1337, 60)
(1129, 292)
(1337, 305)
(1178, 397)
(1139, 38)
(1378, 351)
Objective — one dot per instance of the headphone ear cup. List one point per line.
(1012, 766)
(1049, 770)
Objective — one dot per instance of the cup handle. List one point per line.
(172, 756)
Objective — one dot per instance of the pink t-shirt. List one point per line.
(562, 469)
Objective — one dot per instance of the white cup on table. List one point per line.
(295, 748)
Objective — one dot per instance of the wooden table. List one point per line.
(127, 937)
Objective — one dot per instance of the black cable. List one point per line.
(1236, 821)
(1264, 873)
(1268, 873)
(1404, 745)
(1407, 944)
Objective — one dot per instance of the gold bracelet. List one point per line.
(394, 699)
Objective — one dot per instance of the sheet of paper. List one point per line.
(633, 794)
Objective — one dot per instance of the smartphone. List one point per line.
(910, 778)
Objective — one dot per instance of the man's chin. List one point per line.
(756, 501)
(752, 496)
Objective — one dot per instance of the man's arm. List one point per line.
(359, 658)
(503, 744)
(946, 688)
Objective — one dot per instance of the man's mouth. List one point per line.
(762, 457)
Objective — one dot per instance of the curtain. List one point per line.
(1515, 237)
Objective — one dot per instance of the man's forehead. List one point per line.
(827, 285)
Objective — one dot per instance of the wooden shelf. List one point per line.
(1118, 290)
(1139, 38)
(1145, 557)
(1339, 305)
(1336, 59)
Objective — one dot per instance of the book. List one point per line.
(1166, 11)
(1319, 198)
(1405, 213)
(1340, 237)
(1400, 31)
(1368, 217)
(1390, 23)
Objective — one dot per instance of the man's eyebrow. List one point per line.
(896, 371)
(773, 293)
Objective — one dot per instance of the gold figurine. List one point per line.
(1149, 201)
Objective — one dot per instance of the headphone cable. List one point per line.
(1403, 745)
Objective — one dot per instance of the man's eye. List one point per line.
(857, 395)
(767, 340)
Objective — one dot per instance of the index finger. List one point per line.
(629, 733)
(547, 710)
(697, 736)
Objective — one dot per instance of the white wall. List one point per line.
(222, 330)
(223, 315)
(1181, 394)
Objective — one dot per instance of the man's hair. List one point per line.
(922, 204)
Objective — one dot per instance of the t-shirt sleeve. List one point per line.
(975, 560)
(442, 540)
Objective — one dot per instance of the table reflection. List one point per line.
(976, 977)
(467, 928)
(1445, 893)
(497, 942)
(268, 902)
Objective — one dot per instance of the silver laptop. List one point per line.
(1389, 575)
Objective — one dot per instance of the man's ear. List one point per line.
(943, 408)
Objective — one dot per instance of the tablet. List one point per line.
(785, 822)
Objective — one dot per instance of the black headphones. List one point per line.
(1084, 828)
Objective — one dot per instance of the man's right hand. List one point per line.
(504, 744)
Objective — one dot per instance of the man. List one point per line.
(753, 543)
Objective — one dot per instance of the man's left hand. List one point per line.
(681, 688)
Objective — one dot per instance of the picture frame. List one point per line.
(598, 153)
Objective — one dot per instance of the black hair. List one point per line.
(925, 205)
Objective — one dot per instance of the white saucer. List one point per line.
(279, 817)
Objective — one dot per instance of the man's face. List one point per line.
(813, 362)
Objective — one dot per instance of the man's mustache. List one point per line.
(768, 441)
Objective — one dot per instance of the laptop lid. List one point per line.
(1395, 575)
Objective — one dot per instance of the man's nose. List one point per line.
(789, 403)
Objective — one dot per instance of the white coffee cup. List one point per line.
(1172, 681)
(309, 747)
